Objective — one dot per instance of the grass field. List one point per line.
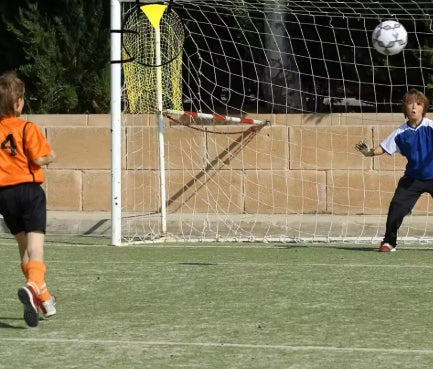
(223, 306)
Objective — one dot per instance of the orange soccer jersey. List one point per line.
(21, 143)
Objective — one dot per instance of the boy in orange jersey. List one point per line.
(23, 150)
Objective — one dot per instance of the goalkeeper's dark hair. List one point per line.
(414, 95)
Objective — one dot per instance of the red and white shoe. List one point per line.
(386, 247)
(49, 307)
(30, 300)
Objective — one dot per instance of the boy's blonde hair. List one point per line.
(414, 95)
(11, 89)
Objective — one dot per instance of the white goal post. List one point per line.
(236, 120)
(116, 119)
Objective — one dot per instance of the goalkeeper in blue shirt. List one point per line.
(414, 140)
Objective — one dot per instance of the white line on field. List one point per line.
(222, 345)
(367, 265)
(216, 263)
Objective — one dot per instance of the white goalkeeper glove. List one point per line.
(364, 149)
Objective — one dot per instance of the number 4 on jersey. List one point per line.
(9, 144)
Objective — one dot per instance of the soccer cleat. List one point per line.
(49, 307)
(30, 300)
(386, 247)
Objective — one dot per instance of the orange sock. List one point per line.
(44, 295)
(36, 278)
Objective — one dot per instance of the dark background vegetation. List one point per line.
(61, 49)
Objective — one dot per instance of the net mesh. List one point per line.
(308, 68)
(139, 46)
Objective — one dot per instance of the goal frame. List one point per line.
(315, 96)
(116, 119)
(116, 126)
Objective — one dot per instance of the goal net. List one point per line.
(251, 109)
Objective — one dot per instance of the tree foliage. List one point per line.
(61, 50)
(66, 55)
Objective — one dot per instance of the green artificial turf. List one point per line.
(222, 306)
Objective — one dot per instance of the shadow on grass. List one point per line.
(3, 324)
(336, 247)
(360, 248)
(197, 264)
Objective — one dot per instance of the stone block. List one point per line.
(80, 147)
(360, 192)
(140, 120)
(142, 148)
(96, 190)
(387, 162)
(322, 148)
(99, 120)
(367, 192)
(63, 189)
(140, 191)
(263, 149)
(372, 119)
(58, 120)
(299, 164)
(423, 206)
(285, 192)
(183, 148)
(205, 191)
(315, 120)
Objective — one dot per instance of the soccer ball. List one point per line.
(389, 37)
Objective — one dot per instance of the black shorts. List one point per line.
(24, 207)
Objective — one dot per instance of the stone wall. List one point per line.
(309, 158)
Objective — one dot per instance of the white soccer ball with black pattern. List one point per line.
(389, 37)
